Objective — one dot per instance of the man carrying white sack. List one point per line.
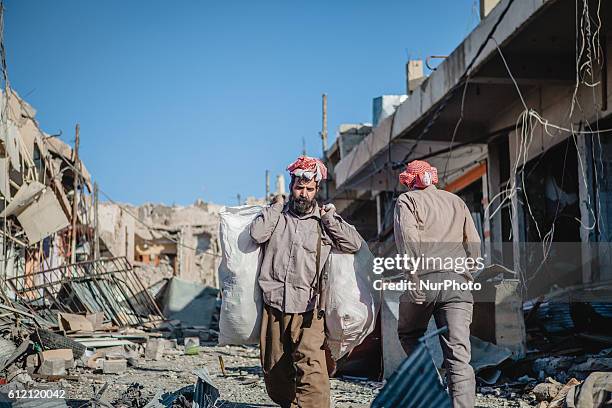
(298, 238)
(437, 227)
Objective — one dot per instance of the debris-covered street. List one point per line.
(241, 386)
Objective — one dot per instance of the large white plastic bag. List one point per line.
(241, 306)
(351, 302)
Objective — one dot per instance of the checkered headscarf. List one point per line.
(308, 167)
(419, 174)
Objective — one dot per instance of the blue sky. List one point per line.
(179, 100)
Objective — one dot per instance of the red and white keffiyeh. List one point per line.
(308, 167)
(419, 174)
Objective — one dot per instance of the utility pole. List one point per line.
(303, 146)
(97, 223)
(324, 127)
(75, 198)
(267, 184)
(324, 141)
(238, 198)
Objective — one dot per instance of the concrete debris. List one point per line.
(70, 322)
(128, 352)
(548, 390)
(132, 397)
(43, 217)
(64, 355)
(564, 367)
(33, 361)
(498, 315)
(26, 195)
(154, 349)
(559, 399)
(52, 367)
(97, 321)
(114, 366)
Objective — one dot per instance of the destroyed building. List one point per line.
(47, 204)
(164, 241)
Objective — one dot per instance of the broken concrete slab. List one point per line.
(64, 355)
(169, 344)
(33, 360)
(74, 322)
(498, 310)
(24, 196)
(154, 350)
(55, 367)
(96, 319)
(546, 391)
(114, 366)
(129, 353)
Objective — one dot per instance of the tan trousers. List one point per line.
(293, 359)
(451, 308)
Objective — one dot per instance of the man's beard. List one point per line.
(302, 206)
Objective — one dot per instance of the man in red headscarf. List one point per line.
(436, 227)
(298, 237)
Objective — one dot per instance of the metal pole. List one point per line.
(97, 223)
(75, 198)
(267, 184)
(324, 127)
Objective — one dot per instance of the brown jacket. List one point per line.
(288, 277)
(435, 224)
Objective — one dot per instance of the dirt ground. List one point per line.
(241, 386)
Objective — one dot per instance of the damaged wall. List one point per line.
(164, 241)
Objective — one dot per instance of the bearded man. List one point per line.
(298, 237)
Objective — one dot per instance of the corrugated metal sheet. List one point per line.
(205, 394)
(415, 384)
(105, 285)
(577, 309)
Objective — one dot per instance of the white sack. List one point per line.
(352, 302)
(241, 306)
